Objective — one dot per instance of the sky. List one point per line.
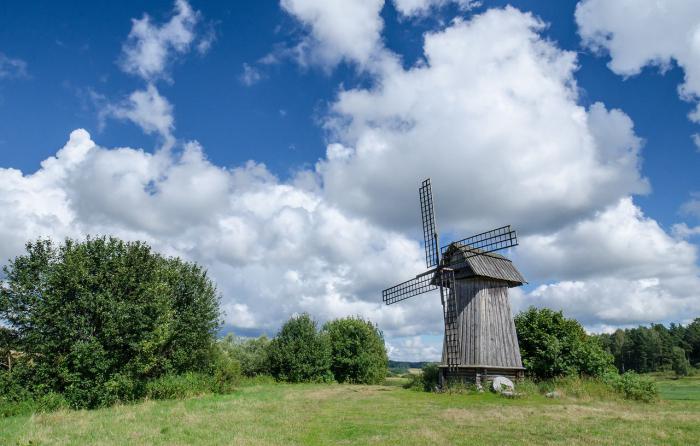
(281, 145)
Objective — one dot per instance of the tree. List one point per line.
(692, 338)
(97, 318)
(358, 354)
(299, 353)
(681, 366)
(552, 345)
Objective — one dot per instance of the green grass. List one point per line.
(684, 389)
(321, 414)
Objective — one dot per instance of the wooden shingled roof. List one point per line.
(485, 265)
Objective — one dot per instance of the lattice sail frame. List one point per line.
(427, 212)
(448, 297)
(486, 242)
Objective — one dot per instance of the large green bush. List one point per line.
(552, 345)
(300, 353)
(358, 354)
(96, 319)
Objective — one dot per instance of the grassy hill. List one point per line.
(321, 414)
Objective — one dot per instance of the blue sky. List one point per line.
(62, 68)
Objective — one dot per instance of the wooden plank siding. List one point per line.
(485, 327)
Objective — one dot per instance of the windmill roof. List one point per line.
(487, 265)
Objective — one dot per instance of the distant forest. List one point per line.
(643, 349)
(654, 348)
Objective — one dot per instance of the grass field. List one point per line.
(319, 414)
(686, 389)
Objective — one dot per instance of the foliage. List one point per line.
(679, 362)
(633, 386)
(300, 353)
(653, 348)
(251, 353)
(358, 354)
(96, 319)
(552, 346)
(427, 380)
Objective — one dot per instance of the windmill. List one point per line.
(480, 341)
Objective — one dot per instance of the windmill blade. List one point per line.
(450, 313)
(489, 241)
(427, 213)
(419, 285)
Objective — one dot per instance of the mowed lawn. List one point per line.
(318, 414)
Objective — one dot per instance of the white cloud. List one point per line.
(337, 30)
(692, 206)
(617, 267)
(147, 109)
(273, 248)
(639, 33)
(12, 68)
(150, 48)
(696, 140)
(415, 348)
(492, 116)
(683, 231)
(423, 7)
(250, 75)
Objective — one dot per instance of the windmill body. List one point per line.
(487, 344)
(480, 340)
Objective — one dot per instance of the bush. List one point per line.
(633, 386)
(358, 354)
(427, 380)
(553, 346)
(97, 319)
(300, 353)
(252, 354)
(184, 385)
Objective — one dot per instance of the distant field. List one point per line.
(686, 389)
(318, 414)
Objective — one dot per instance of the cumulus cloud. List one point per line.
(337, 30)
(150, 48)
(639, 33)
(273, 248)
(148, 110)
(12, 68)
(618, 267)
(683, 231)
(411, 8)
(492, 116)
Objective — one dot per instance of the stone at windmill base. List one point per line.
(502, 384)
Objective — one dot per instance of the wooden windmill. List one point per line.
(480, 339)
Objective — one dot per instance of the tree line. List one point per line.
(655, 348)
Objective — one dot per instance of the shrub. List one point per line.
(99, 318)
(300, 353)
(633, 386)
(226, 372)
(358, 354)
(552, 346)
(252, 354)
(184, 385)
(427, 380)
